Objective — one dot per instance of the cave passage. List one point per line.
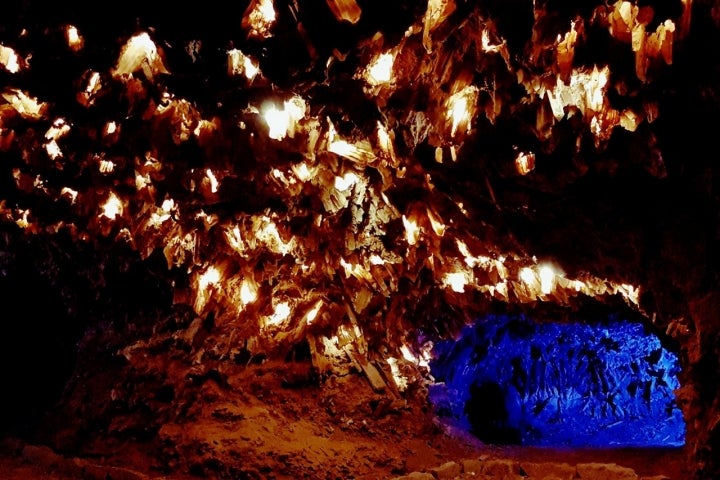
(509, 380)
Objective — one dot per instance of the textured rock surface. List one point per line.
(447, 470)
(496, 469)
(560, 471)
(151, 202)
(597, 471)
(27, 462)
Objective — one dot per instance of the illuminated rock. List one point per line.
(358, 181)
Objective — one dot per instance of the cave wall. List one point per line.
(585, 140)
(595, 382)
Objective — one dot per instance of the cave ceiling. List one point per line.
(297, 165)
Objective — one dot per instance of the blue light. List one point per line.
(510, 380)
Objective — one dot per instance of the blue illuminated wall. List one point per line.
(510, 380)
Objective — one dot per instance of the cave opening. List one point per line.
(510, 380)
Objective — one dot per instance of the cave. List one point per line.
(343, 239)
(598, 383)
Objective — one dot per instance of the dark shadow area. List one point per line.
(37, 347)
(509, 380)
(488, 412)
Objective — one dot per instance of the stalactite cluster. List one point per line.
(363, 179)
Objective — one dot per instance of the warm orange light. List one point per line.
(347, 10)
(248, 291)
(586, 93)
(259, 18)
(400, 381)
(112, 207)
(525, 162)
(361, 151)
(456, 281)
(407, 354)
(142, 181)
(211, 276)
(278, 122)
(241, 64)
(346, 181)
(53, 150)
(311, 315)
(302, 171)
(282, 123)
(436, 223)
(23, 221)
(93, 83)
(630, 292)
(106, 166)
(380, 70)
(376, 260)
(547, 279)
(267, 233)
(461, 108)
(356, 270)
(28, 107)
(412, 230)
(470, 259)
(527, 275)
(485, 42)
(594, 87)
(157, 219)
(58, 129)
(234, 239)
(280, 314)
(110, 128)
(87, 96)
(69, 193)
(213, 180)
(436, 13)
(139, 53)
(331, 347)
(74, 40)
(9, 59)
(385, 142)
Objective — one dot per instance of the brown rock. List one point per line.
(447, 470)
(547, 471)
(104, 472)
(420, 476)
(472, 466)
(505, 469)
(416, 476)
(41, 456)
(605, 471)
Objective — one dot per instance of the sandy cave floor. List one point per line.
(267, 422)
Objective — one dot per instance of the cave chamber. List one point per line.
(325, 239)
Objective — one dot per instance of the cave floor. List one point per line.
(272, 422)
(422, 455)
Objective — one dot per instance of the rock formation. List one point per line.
(352, 180)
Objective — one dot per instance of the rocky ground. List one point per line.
(29, 462)
(272, 421)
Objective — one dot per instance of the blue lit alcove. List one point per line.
(509, 380)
